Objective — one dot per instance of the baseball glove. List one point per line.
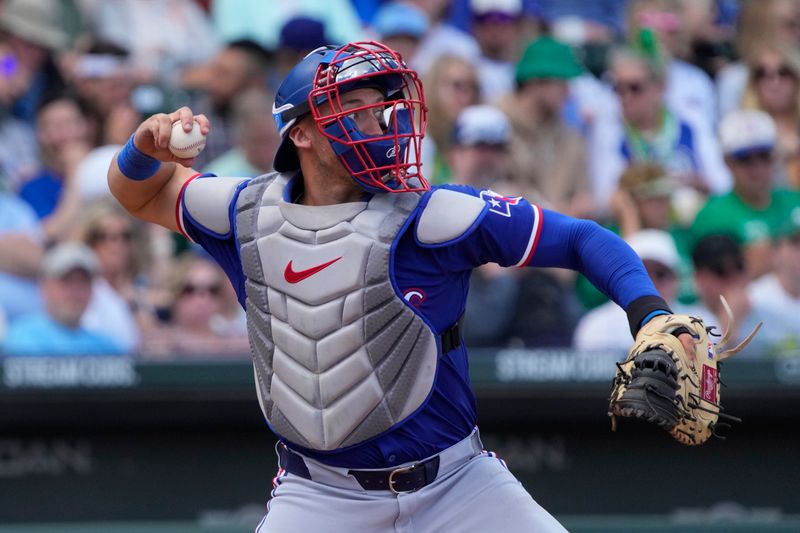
(660, 383)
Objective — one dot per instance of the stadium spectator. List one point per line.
(230, 320)
(262, 21)
(120, 305)
(162, 36)
(67, 271)
(549, 157)
(606, 327)
(238, 67)
(401, 26)
(298, 36)
(591, 39)
(18, 151)
(255, 137)
(755, 209)
(31, 32)
(648, 130)
(773, 86)
(20, 253)
(451, 86)
(441, 39)
(65, 135)
(103, 77)
(780, 290)
(759, 21)
(687, 89)
(719, 270)
(607, 13)
(643, 199)
(479, 156)
(196, 291)
(710, 30)
(497, 27)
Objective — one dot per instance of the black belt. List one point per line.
(403, 479)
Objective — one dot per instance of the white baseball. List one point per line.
(186, 145)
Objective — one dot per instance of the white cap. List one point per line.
(499, 7)
(655, 245)
(66, 257)
(90, 174)
(746, 130)
(482, 124)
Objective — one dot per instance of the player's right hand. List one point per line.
(152, 135)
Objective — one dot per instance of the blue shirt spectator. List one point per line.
(39, 334)
(67, 271)
(20, 237)
(42, 192)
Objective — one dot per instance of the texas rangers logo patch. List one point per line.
(498, 203)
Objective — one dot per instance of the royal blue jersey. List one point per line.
(434, 281)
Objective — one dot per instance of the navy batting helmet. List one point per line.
(388, 161)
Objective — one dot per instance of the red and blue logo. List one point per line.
(414, 297)
(499, 204)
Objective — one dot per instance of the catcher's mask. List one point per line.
(378, 142)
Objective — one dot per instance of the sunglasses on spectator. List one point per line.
(761, 156)
(463, 85)
(189, 289)
(762, 73)
(104, 236)
(633, 88)
(659, 273)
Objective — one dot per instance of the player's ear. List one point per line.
(300, 135)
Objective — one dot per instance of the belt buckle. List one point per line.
(402, 470)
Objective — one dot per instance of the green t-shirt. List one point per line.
(727, 213)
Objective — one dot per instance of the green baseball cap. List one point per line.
(547, 58)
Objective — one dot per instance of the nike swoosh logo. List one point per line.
(296, 276)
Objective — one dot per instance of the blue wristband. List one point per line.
(654, 314)
(135, 164)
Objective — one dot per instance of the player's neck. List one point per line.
(318, 192)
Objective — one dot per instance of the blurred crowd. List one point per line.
(674, 123)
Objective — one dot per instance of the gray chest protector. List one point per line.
(339, 356)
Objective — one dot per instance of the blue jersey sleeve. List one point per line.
(506, 233)
(517, 233)
(603, 257)
(224, 248)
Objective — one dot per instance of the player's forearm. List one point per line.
(604, 258)
(135, 195)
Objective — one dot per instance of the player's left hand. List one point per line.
(663, 382)
(688, 344)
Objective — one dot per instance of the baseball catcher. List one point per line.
(664, 383)
(354, 271)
